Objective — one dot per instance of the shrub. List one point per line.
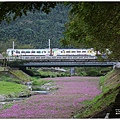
(93, 73)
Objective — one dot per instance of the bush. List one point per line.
(83, 73)
(8, 79)
(40, 82)
(93, 73)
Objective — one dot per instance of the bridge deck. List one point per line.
(58, 61)
(40, 58)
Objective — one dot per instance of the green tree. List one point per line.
(11, 10)
(95, 24)
(35, 29)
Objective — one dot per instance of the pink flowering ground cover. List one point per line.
(61, 103)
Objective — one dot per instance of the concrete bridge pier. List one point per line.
(72, 71)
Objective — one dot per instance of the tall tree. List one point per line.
(11, 10)
(95, 24)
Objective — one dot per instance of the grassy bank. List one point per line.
(11, 89)
(12, 82)
(110, 85)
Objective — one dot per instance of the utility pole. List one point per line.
(13, 45)
(49, 44)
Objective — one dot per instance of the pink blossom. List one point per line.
(58, 104)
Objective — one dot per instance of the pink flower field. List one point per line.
(61, 103)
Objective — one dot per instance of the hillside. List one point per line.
(103, 104)
(34, 30)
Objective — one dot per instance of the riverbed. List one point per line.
(61, 103)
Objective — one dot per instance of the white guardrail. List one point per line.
(49, 57)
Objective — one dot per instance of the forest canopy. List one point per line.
(35, 29)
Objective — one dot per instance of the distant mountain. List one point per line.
(36, 29)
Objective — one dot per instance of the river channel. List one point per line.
(61, 103)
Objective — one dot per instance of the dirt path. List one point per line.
(60, 104)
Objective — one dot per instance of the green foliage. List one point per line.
(94, 25)
(82, 73)
(37, 83)
(16, 76)
(34, 30)
(32, 72)
(40, 82)
(98, 104)
(92, 71)
(114, 81)
(11, 10)
(5, 106)
(52, 74)
(20, 75)
(105, 99)
(8, 79)
(46, 73)
(6, 43)
(1, 68)
(11, 88)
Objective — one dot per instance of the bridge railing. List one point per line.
(66, 64)
(49, 57)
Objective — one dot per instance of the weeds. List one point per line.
(105, 99)
(9, 88)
